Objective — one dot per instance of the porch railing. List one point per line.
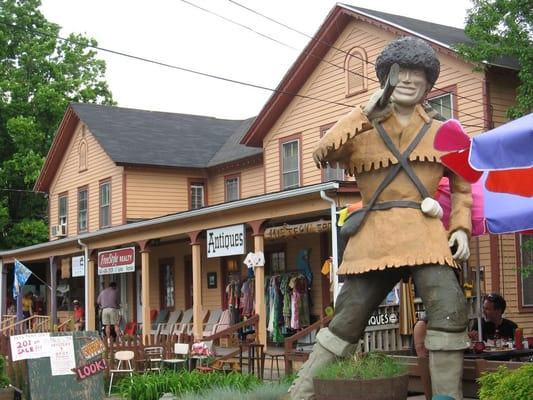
(35, 323)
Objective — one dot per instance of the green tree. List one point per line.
(40, 75)
(503, 28)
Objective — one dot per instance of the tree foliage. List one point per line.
(40, 75)
(501, 28)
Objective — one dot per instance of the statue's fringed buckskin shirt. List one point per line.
(395, 237)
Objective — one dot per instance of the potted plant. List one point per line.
(505, 384)
(371, 376)
(7, 392)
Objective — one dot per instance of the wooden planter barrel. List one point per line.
(7, 393)
(372, 389)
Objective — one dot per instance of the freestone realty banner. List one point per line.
(116, 261)
(227, 241)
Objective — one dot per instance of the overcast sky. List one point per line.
(176, 33)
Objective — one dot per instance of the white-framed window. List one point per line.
(443, 105)
(105, 204)
(232, 188)
(290, 162)
(82, 210)
(62, 209)
(197, 195)
(527, 262)
(166, 273)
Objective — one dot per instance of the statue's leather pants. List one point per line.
(361, 294)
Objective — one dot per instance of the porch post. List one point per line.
(145, 290)
(196, 285)
(260, 309)
(53, 291)
(90, 308)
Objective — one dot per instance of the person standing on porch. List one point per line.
(109, 303)
(388, 146)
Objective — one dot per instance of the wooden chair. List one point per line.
(213, 324)
(166, 328)
(124, 358)
(161, 318)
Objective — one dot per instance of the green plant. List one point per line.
(507, 385)
(153, 386)
(367, 366)
(4, 380)
(269, 391)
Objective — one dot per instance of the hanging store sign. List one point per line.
(116, 261)
(286, 230)
(226, 241)
(383, 318)
(78, 266)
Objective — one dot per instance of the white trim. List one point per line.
(270, 197)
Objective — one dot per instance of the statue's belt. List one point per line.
(355, 220)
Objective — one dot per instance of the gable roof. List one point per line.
(341, 14)
(149, 138)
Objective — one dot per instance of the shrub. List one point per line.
(367, 366)
(4, 380)
(153, 386)
(269, 391)
(507, 385)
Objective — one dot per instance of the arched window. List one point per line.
(82, 154)
(356, 71)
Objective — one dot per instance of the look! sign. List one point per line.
(88, 370)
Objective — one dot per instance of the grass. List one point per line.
(269, 391)
(369, 366)
(153, 386)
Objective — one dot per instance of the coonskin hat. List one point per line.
(408, 52)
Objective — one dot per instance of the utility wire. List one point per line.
(163, 64)
(330, 45)
(21, 191)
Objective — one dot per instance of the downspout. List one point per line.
(334, 243)
(86, 268)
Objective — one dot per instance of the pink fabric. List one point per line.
(478, 217)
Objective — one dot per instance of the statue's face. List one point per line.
(412, 87)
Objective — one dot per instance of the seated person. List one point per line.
(493, 325)
(419, 335)
(78, 316)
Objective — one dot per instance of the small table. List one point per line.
(500, 355)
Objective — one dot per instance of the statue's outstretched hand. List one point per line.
(460, 238)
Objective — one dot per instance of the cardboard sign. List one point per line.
(88, 370)
(62, 359)
(92, 349)
(116, 261)
(30, 345)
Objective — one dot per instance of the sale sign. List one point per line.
(30, 345)
(116, 261)
(92, 349)
(62, 359)
(88, 370)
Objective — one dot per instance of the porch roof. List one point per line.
(182, 217)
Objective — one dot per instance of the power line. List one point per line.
(192, 71)
(21, 191)
(230, 80)
(333, 47)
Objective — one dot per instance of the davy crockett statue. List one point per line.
(388, 146)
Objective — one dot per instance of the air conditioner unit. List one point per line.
(59, 230)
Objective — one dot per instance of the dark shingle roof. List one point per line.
(446, 35)
(142, 137)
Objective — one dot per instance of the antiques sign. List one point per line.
(88, 370)
(92, 349)
(30, 345)
(286, 230)
(116, 261)
(387, 318)
(226, 241)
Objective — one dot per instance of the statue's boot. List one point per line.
(446, 368)
(446, 352)
(326, 350)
